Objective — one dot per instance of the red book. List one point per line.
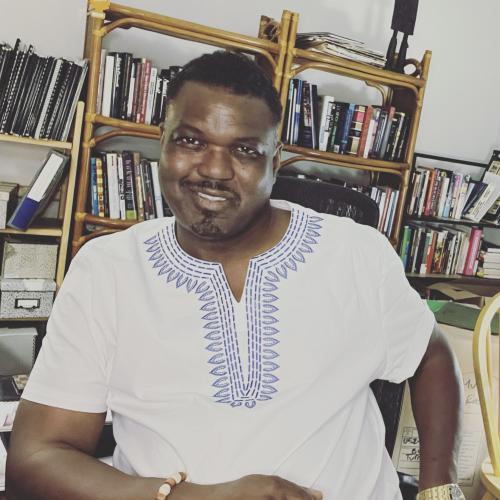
(430, 253)
(139, 64)
(430, 191)
(145, 90)
(364, 130)
(473, 251)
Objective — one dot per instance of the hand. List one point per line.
(260, 487)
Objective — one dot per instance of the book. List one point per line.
(40, 190)
(325, 121)
(107, 88)
(155, 178)
(130, 204)
(472, 251)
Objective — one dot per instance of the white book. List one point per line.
(325, 121)
(157, 189)
(369, 134)
(102, 66)
(151, 93)
(442, 196)
(48, 96)
(394, 203)
(423, 192)
(113, 193)
(381, 206)
(121, 187)
(107, 88)
(481, 206)
(131, 91)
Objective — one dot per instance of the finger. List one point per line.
(316, 494)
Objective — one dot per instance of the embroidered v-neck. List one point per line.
(234, 385)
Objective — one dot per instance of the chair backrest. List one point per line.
(483, 369)
(325, 197)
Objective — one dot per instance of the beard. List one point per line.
(207, 227)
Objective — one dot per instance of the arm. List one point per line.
(50, 458)
(437, 402)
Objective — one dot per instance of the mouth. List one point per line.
(210, 197)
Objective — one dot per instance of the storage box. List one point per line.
(17, 350)
(468, 293)
(8, 200)
(29, 260)
(26, 298)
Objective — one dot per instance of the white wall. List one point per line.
(460, 116)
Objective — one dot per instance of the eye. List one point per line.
(247, 151)
(188, 141)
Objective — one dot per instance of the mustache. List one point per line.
(214, 185)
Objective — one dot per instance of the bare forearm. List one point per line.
(62, 473)
(437, 399)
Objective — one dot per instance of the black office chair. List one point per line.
(325, 197)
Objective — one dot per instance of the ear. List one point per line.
(277, 158)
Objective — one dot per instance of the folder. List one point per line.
(38, 194)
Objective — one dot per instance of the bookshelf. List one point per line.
(104, 17)
(404, 92)
(283, 61)
(56, 228)
(431, 196)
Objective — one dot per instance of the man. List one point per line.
(236, 341)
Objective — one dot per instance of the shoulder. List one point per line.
(122, 245)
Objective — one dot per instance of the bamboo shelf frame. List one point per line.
(56, 228)
(103, 18)
(406, 92)
(285, 61)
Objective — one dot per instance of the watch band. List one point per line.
(444, 492)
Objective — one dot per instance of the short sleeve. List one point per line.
(72, 368)
(407, 322)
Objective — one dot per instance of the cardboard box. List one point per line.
(29, 260)
(26, 298)
(468, 293)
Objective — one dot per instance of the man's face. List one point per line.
(219, 157)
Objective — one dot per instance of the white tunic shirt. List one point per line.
(274, 384)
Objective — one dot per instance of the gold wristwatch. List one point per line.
(443, 492)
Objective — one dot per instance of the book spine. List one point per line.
(306, 125)
(48, 97)
(113, 192)
(139, 188)
(347, 126)
(100, 187)
(145, 91)
(473, 251)
(150, 96)
(130, 207)
(121, 187)
(93, 187)
(326, 122)
(354, 138)
(108, 85)
(155, 178)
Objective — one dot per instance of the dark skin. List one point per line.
(219, 159)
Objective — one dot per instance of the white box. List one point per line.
(8, 199)
(29, 260)
(26, 298)
(17, 350)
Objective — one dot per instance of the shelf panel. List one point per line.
(132, 127)
(443, 220)
(106, 222)
(23, 320)
(457, 277)
(35, 142)
(347, 160)
(354, 69)
(44, 227)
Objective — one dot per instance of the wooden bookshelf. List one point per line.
(36, 142)
(105, 17)
(56, 228)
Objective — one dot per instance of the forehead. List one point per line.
(217, 109)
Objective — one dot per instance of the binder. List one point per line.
(38, 195)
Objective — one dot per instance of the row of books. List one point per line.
(132, 88)
(125, 186)
(447, 194)
(387, 200)
(489, 262)
(320, 122)
(430, 249)
(38, 94)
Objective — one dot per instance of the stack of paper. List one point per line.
(340, 46)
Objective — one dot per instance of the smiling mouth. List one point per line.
(210, 197)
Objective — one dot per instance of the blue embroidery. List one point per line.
(208, 282)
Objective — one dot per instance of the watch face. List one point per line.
(456, 492)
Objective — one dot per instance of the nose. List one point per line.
(216, 163)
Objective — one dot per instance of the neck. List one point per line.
(263, 233)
